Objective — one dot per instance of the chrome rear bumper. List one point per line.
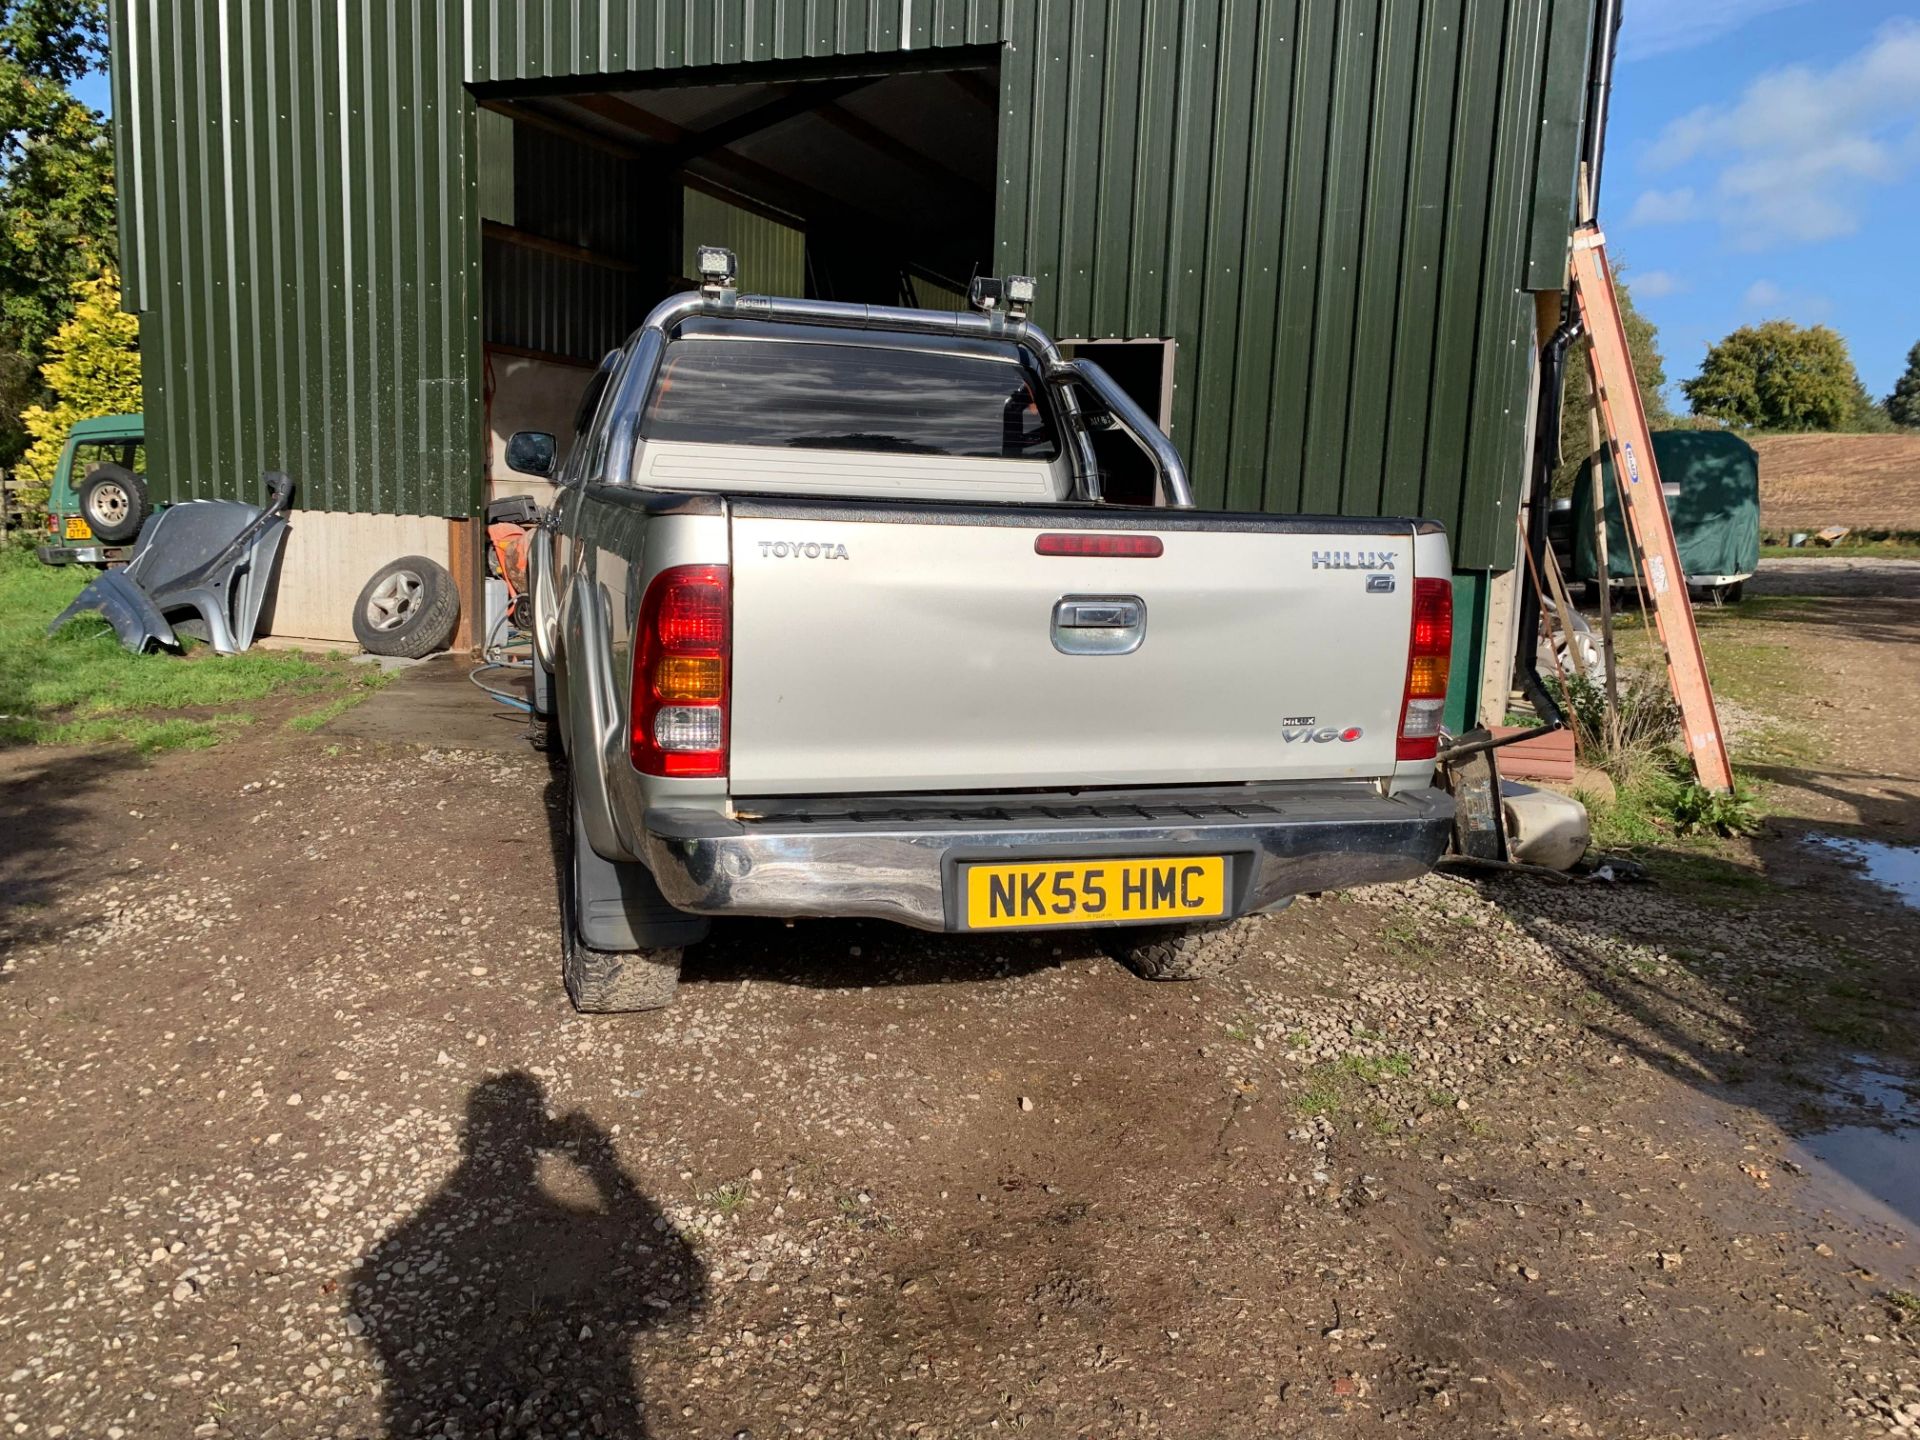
(896, 859)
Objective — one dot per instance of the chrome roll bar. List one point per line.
(1057, 371)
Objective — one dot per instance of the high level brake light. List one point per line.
(1429, 658)
(681, 650)
(1100, 545)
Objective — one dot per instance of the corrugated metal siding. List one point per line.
(307, 246)
(1333, 205)
(495, 159)
(762, 246)
(557, 306)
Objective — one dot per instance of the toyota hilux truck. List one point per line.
(833, 617)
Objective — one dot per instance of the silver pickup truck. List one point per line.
(832, 618)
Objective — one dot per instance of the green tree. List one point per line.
(56, 188)
(1649, 371)
(1903, 405)
(1779, 376)
(93, 368)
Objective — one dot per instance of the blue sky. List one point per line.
(1763, 162)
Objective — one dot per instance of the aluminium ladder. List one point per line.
(1650, 528)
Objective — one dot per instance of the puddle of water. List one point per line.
(1869, 1168)
(1894, 867)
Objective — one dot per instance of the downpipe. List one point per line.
(1546, 448)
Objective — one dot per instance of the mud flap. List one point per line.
(618, 906)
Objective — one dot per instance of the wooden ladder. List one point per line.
(1637, 476)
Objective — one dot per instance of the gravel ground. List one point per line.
(303, 1140)
(1835, 575)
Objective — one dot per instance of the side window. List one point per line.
(579, 461)
(594, 459)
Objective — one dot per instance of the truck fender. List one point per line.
(591, 713)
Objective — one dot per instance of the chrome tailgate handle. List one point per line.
(1099, 624)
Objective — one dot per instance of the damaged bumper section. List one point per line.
(898, 859)
(212, 560)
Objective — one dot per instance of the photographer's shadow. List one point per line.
(501, 1306)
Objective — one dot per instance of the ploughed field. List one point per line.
(300, 1137)
(1869, 482)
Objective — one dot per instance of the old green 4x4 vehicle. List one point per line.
(98, 500)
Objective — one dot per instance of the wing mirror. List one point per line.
(531, 452)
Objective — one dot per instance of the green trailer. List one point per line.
(1712, 483)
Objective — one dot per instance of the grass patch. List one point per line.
(1655, 797)
(1333, 1085)
(727, 1199)
(1321, 1097)
(1373, 1069)
(81, 687)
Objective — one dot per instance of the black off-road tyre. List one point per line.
(408, 609)
(601, 982)
(541, 728)
(1173, 952)
(113, 502)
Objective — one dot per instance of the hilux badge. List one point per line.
(1353, 560)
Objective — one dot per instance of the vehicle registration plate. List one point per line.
(78, 529)
(1094, 892)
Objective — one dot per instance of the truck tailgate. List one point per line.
(919, 648)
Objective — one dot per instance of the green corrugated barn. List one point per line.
(366, 239)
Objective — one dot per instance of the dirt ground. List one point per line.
(300, 1137)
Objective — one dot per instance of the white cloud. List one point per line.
(1765, 300)
(1656, 284)
(1800, 151)
(1661, 28)
(1665, 207)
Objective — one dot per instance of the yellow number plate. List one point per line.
(78, 529)
(1095, 892)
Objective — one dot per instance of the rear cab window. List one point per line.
(887, 400)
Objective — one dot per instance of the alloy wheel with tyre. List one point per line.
(113, 502)
(408, 609)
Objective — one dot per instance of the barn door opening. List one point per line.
(873, 183)
(1144, 369)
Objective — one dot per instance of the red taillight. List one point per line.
(681, 674)
(1108, 547)
(1429, 658)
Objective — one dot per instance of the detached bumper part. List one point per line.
(212, 557)
(896, 859)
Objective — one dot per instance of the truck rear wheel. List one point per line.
(1172, 952)
(607, 982)
(622, 941)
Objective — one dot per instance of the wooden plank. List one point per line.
(1649, 527)
(527, 240)
(464, 539)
